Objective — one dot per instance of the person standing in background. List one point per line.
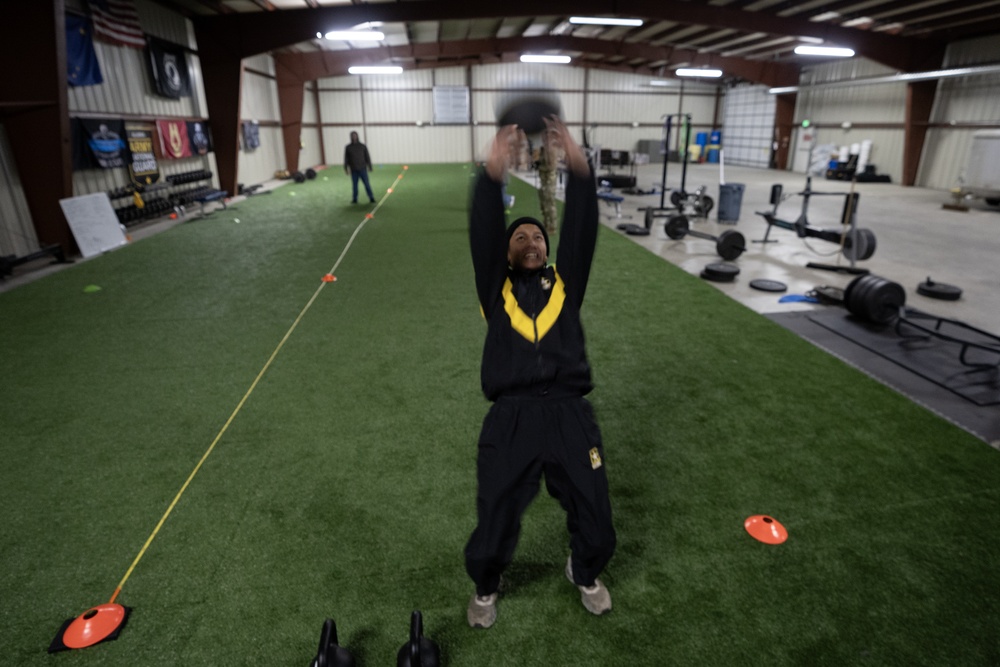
(358, 163)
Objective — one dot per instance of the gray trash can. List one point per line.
(730, 200)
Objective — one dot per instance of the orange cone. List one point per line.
(765, 529)
(94, 625)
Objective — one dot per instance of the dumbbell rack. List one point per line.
(157, 206)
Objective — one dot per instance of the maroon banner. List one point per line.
(174, 143)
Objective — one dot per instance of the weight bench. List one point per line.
(214, 195)
(612, 199)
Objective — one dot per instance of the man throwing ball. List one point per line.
(535, 371)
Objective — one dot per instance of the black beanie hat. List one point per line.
(528, 221)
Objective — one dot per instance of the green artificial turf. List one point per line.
(344, 485)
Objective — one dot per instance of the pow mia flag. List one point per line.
(169, 69)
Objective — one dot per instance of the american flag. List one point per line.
(117, 22)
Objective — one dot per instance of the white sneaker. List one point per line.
(596, 599)
(482, 612)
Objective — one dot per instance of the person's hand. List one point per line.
(557, 136)
(503, 150)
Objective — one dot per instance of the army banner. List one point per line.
(142, 167)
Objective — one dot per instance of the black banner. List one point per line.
(106, 141)
(200, 137)
(169, 69)
(142, 167)
(251, 135)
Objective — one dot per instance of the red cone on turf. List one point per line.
(765, 529)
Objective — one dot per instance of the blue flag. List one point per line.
(82, 68)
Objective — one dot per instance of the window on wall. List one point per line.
(748, 126)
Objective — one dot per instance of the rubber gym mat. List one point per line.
(933, 359)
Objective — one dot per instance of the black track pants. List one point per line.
(522, 439)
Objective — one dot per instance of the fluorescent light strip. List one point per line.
(559, 60)
(836, 51)
(708, 73)
(659, 82)
(597, 20)
(375, 69)
(894, 78)
(356, 35)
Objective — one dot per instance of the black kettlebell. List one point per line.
(419, 651)
(330, 654)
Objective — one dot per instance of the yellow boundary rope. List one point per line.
(246, 396)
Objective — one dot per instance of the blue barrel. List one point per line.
(713, 154)
(730, 201)
(716, 137)
(701, 139)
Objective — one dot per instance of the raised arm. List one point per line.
(486, 219)
(578, 235)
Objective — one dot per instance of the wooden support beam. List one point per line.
(34, 110)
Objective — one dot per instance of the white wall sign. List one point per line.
(93, 222)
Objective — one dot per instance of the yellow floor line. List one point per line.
(253, 385)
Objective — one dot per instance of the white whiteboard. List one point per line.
(93, 222)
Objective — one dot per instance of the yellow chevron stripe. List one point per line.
(534, 330)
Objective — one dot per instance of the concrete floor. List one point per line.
(916, 238)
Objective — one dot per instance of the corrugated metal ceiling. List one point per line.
(742, 37)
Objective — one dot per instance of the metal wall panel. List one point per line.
(340, 106)
(420, 78)
(515, 75)
(964, 100)
(878, 103)
(398, 106)
(17, 233)
(260, 97)
(309, 104)
(450, 76)
(260, 164)
(163, 23)
(401, 145)
(309, 156)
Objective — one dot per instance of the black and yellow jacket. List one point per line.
(534, 341)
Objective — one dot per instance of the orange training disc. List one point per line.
(329, 278)
(369, 216)
(93, 625)
(405, 167)
(765, 529)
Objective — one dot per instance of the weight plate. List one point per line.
(730, 244)
(885, 300)
(941, 291)
(720, 271)
(676, 197)
(768, 285)
(871, 244)
(649, 218)
(707, 204)
(850, 294)
(863, 294)
(676, 227)
(636, 230)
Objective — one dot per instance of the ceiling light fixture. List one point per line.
(835, 51)
(660, 82)
(375, 69)
(707, 73)
(598, 20)
(356, 35)
(559, 60)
